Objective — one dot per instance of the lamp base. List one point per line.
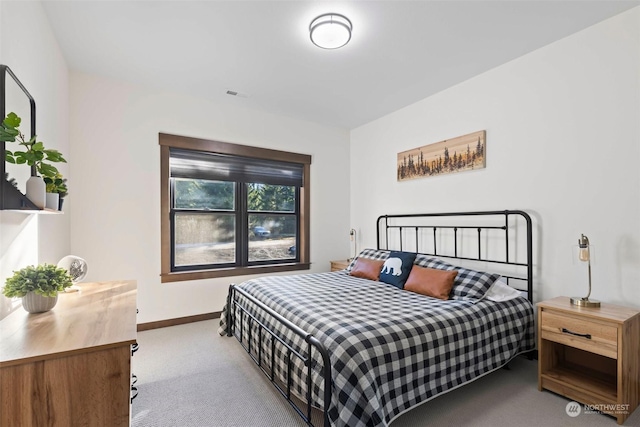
(584, 302)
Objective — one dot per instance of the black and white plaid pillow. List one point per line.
(377, 254)
(469, 285)
(472, 285)
(430, 262)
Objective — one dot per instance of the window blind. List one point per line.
(224, 167)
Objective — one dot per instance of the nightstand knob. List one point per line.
(566, 331)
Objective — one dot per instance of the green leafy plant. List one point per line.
(35, 155)
(45, 279)
(56, 184)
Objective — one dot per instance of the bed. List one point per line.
(363, 351)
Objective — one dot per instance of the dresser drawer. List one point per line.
(580, 332)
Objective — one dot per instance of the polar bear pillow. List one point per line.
(396, 268)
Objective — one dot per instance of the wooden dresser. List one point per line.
(590, 355)
(70, 366)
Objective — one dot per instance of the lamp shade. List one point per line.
(330, 31)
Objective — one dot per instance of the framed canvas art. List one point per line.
(464, 153)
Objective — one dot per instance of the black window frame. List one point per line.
(242, 266)
(241, 213)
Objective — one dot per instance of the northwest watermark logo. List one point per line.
(573, 409)
(607, 408)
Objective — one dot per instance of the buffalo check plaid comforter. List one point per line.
(390, 349)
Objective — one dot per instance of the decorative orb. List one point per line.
(75, 266)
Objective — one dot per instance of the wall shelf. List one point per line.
(15, 201)
(44, 211)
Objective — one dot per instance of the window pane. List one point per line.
(274, 198)
(272, 237)
(203, 194)
(204, 239)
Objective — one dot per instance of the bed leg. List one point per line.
(229, 310)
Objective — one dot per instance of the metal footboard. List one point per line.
(237, 308)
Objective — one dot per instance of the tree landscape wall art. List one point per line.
(464, 153)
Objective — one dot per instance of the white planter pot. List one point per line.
(36, 303)
(36, 191)
(52, 201)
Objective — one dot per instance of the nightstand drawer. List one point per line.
(340, 265)
(580, 332)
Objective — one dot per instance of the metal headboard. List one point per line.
(431, 238)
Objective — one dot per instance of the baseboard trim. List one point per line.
(178, 321)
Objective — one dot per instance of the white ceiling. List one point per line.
(400, 51)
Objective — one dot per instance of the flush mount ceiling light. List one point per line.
(330, 31)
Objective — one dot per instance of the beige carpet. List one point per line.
(190, 376)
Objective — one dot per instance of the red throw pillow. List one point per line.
(431, 282)
(367, 268)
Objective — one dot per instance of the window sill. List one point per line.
(233, 271)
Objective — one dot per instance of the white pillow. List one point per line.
(500, 291)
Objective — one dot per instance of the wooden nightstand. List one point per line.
(590, 355)
(340, 265)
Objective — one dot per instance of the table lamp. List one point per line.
(352, 237)
(584, 255)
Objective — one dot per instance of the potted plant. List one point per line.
(56, 187)
(35, 155)
(37, 286)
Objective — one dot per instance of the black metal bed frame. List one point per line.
(502, 222)
(236, 307)
(233, 305)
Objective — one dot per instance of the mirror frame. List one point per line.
(10, 197)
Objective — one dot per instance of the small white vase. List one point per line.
(36, 191)
(52, 201)
(36, 303)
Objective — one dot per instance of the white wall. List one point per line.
(115, 158)
(28, 47)
(544, 113)
(563, 142)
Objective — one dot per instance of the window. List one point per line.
(230, 209)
